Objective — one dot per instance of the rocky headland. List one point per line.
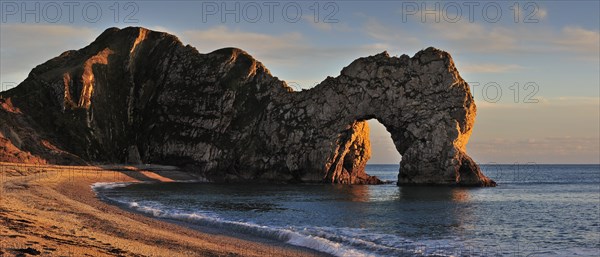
(140, 96)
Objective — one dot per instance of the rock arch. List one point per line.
(422, 101)
(224, 116)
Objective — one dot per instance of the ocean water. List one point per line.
(536, 210)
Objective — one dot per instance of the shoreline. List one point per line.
(52, 210)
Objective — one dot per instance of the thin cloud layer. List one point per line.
(26, 45)
(537, 150)
(286, 48)
(489, 68)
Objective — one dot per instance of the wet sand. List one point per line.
(52, 211)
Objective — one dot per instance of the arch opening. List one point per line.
(367, 154)
(385, 157)
(383, 149)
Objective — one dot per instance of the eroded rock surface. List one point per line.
(141, 96)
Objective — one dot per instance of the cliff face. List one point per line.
(136, 95)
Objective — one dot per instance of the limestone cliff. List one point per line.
(141, 96)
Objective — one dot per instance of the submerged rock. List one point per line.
(136, 95)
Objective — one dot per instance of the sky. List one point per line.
(533, 66)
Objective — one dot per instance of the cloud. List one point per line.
(573, 100)
(557, 129)
(543, 103)
(163, 29)
(490, 68)
(220, 36)
(322, 26)
(580, 40)
(25, 46)
(292, 56)
(560, 149)
(474, 37)
(464, 36)
(391, 36)
(291, 48)
(542, 14)
(326, 26)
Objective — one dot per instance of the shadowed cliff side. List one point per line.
(136, 95)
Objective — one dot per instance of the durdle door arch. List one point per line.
(142, 96)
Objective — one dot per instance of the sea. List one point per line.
(536, 210)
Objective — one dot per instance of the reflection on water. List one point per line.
(560, 211)
(461, 195)
(354, 193)
(431, 211)
(411, 193)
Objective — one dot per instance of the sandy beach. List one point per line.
(49, 210)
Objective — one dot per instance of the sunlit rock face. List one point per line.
(141, 96)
